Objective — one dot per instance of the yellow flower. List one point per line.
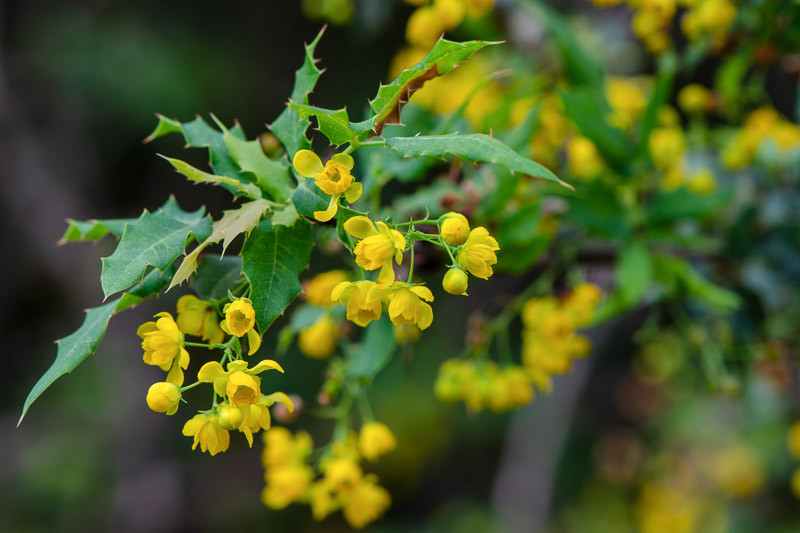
(793, 440)
(281, 448)
(320, 340)
(286, 484)
(581, 302)
(353, 295)
(694, 98)
(455, 281)
(230, 417)
(163, 397)
(376, 247)
(454, 228)
(702, 182)
(367, 502)
(240, 319)
(672, 178)
(424, 27)
(450, 12)
(318, 290)
(478, 8)
(323, 500)
(334, 178)
(374, 440)
(738, 471)
(583, 159)
(795, 482)
(666, 146)
(406, 303)
(162, 342)
(207, 433)
(477, 255)
(197, 317)
(627, 99)
(341, 473)
(239, 384)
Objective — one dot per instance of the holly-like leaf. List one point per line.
(154, 239)
(93, 230)
(475, 148)
(272, 259)
(286, 216)
(289, 128)
(445, 55)
(216, 275)
(233, 223)
(374, 352)
(198, 176)
(76, 347)
(306, 198)
(334, 124)
(271, 176)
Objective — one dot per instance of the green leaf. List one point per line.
(597, 209)
(271, 176)
(374, 352)
(216, 275)
(581, 69)
(233, 223)
(93, 230)
(475, 147)
(289, 128)
(154, 239)
(671, 270)
(306, 316)
(285, 216)
(272, 259)
(74, 348)
(587, 107)
(634, 273)
(334, 124)
(165, 125)
(306, 198)
(679, 204)
(661, 94)
(445, 55)
(198, 176)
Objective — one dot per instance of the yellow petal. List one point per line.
(266, 364)
(333, 206)
(175, 375)
(281, 397)
(210, 372)
(423, 292)
(353, 192)
(307, 163)
(377, 292)
(386, 277)
(253, 340)
(344, 159)
(341, 291)
(360, 227)
(424, 315)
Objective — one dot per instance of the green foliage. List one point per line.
(368, 358)
(272, 259)
(335, 124)
(154, 239)
(475, 148)
(289, 128)
(271, 176)
(198, 176)
(216, 275)
(93, 230)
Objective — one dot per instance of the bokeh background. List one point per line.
(79, 85)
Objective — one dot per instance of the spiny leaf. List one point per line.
(76, 347)
(272, 259)
(286, 216)
(289, 128)
(306, 199)
(227, 228)
(334, 124)
(198, 176)
(154, 239)
(93, 230)
(475, 147)
(271, 176)
(391, 98)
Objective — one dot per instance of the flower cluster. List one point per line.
(483, 384)
(762, 126)
(320, 339)
(242, 407)
(432, 18)
(337, 483)
(652, 19)
(549, 342)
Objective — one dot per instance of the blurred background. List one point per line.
(79, 85)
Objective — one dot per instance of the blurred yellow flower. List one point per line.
(424, 27)
(374, 440)
(702, 182)
(583, 159)
(318, 290)
(694, 98)
(365, 503)
(319, 341)
(793, 440)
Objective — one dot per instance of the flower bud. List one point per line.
(454, 228)
(455, 281)
(163, 397)
(230, 417)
